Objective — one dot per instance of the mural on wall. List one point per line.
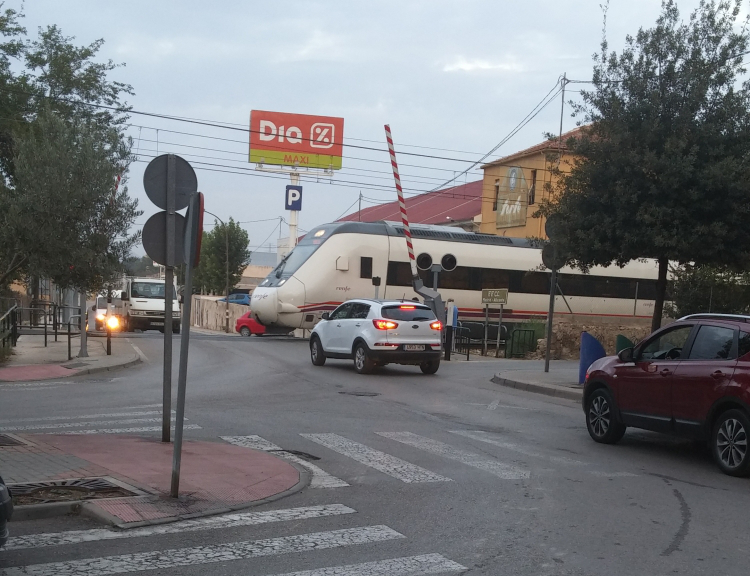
(512, 199)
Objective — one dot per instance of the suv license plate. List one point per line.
(157, 323)
(414, 347)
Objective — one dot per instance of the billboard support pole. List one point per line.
(293, 214)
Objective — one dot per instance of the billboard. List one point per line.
(512, 199)
(288, 139)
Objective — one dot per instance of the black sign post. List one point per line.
(169, 181)
(553, 259)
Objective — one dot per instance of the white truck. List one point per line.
(141, 305)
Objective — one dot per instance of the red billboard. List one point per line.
(296, 139)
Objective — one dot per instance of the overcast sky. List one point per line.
(457, 76)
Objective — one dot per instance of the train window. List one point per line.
(457, 279)
(399, 274)
(365, 267)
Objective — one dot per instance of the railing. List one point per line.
(70, 334)
(521, 342)
(8, 330)
(50, 315)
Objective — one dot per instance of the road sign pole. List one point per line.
(192, 253)
(486, 328)
(552, 289)
(293, 216)
(168, 283)
(499, 330)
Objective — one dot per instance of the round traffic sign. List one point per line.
(155, 181)
(155, 238)
(553, 225)
(552, 258)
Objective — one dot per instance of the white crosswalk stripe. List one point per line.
(210, 523)
(62, 425)
(199, 555)
(124, 430)
(85, 416)
(499, 469)
(490, 438)
(395, 467)
(320, 478)
(408, 566)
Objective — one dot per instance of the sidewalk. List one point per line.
(561, 382)
(216, 477)
(31, 360)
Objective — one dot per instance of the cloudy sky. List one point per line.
(451, 78)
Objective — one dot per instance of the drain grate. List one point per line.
(70, 490)
(366, 394)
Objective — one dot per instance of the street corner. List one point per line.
(560, 383)
(215, 477)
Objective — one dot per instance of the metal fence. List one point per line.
(8, 330)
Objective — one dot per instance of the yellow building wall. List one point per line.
(499, 174)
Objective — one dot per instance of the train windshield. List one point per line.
(296, 258)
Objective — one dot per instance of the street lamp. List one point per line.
(226, 238)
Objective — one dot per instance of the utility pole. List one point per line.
(359, 212)
(226, 269)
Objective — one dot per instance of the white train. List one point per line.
(336, 262)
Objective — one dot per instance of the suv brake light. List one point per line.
(385, 324)
(436, 325)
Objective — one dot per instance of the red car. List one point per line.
(247, 325)
(691, 379)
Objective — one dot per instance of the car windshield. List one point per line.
(408, 313)
(148, 290)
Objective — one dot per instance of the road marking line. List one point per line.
(602, 474)
(124, 430)
(320, 478)
(408, 566)
(211, 523)
(494, 405)
(400, 469)
(83, 417)
(79, 424)
(165, 559)
(499, 469)
(140, 353)
(489, 439)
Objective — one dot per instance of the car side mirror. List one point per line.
(626, 355)
(325, 316)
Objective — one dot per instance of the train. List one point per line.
(342, 260)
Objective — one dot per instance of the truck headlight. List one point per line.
(137, 313)
(113, 322)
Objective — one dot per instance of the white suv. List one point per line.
(379, 332)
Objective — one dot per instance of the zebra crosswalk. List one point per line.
(253, 550)
(129, 420)
(515, 462)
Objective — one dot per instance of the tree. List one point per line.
(662, 168)
(708, 289)
(143, 266)
(64, 83)
(211, 273)
(64, 203)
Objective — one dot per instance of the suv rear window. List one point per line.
(408, 313)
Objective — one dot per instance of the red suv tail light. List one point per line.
(385, 324)
(436, 325)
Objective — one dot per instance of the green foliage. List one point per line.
(58, 215)
(143, 266)
(662, 169)
(697, 289)
(210, 276)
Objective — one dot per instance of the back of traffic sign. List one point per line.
(155, 181)
(155, 238)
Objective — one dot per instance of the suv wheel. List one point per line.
(600, 418)
(363, 364)
(245, 331)
(730, 443)
(317, 355)
(430, 366)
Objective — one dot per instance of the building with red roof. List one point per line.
(459, 206)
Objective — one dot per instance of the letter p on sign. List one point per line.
(293, 198)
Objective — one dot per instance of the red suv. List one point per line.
(691, 378)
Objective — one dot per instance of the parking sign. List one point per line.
(293, 198)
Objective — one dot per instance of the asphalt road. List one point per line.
(440, 471)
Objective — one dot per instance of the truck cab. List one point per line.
(142, 305)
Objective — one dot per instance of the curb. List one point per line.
(82, 371)
(88, 509)
(538, 388)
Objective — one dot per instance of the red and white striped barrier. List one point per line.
(401, 203)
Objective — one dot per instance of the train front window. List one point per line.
(296, 258)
